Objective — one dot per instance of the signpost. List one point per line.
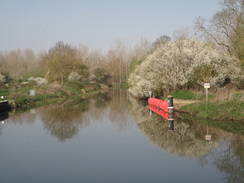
(206, 86)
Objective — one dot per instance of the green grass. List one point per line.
(228, 110)
(188, 95)
(4, 92)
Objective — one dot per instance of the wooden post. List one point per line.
(206, 94)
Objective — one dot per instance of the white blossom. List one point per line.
(171, 66)
(74, 76)
(38, 80)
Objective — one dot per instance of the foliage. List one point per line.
(60, 61)
(160, 41)
(172, 66)
(134, 63)
(202, 74)
(25, 102)
(102, 76)
(2, 78)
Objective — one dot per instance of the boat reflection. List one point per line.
(159, 112)
(4, 115)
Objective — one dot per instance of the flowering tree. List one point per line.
(172, 66)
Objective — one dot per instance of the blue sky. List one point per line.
(39, 24)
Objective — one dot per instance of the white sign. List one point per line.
(207, 137)
(206, 85)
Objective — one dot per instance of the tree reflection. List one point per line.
(231, 159)
(63, 120)
(102, 99)
(118, 113)
(186, 139)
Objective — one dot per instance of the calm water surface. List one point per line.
(113, 138)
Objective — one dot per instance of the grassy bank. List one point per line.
(224, 109)
(20, 97)
(228, 110)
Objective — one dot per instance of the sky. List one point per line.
(39, 24)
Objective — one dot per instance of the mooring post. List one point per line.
(171, 121)
(170, 104)
(171, 112)
(150, 94)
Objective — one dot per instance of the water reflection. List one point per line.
(188, 140)
(128, 152)
(63, 120)
(230, 159)
(3, 115)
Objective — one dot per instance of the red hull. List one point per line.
(159, 104)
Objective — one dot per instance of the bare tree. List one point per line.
(182, 34)
(117, 64)
(225, 28)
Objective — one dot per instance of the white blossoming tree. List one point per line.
(173, 65)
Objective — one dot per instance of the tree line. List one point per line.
(214, 55)
(64, 63)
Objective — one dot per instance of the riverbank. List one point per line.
(23, 98)
(225, 109)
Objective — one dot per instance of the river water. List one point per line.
(113, 138)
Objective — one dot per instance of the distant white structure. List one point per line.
(2, 97)
(32, 92)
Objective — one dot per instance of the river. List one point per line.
(113, 138)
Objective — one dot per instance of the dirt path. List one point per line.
(181, 102)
